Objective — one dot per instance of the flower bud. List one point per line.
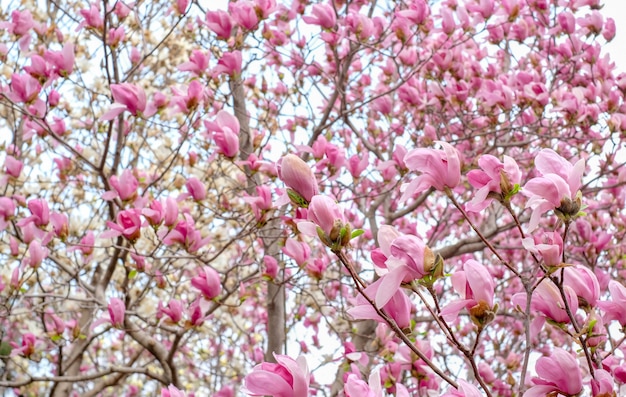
(298, 177)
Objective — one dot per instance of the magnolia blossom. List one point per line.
(127, 97)
(549, 245)
(184, 233)
(398, 307)
(7, 211)
(326, 221)
(615, 309)
(556, 189)
(172, 391)
(409, 259)
(440, 169)
(323, 15)
(124, 187)
(220, 23)
(128, 224)
(494, 179)
(355, 387)
(465, 389)
(547, 300)
(40, 213)
(117, 312)
(583, 282)
(208, 282)
(298, 176)
(476, 286)
(225, 132)
(559, 373)
(287, 378)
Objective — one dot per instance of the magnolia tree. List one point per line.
(346, 198)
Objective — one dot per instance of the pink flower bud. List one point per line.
(298, 176)
(196, 189)
(208, 282)
(117, 311)
(13, 166)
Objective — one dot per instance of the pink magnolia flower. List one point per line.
(198, 63)
(261, 202)
(128, 225)
(62, 61)
(495, 179)
(602, 384)
(225, 131)
(93, 17)
(298, 176)
(326, 221)
(244, 13)
(264, 8)
(547, 300)
(174, 311)
(195, 314)
(357, 165)
(208, 282)
(196, 188)
(172, 391)
(286, 378)
(355, 387)
(13, 166)
(549, 245)
(124, 187)
(556, 189)
(21, 23)
(323, 15)
(439, 169)
(615, 309)
(220, 23)
(465, 390)
(297, 250)
(184, 233)
(38, 68)
(86, 244)
(190, 100)
(30, 345)
(60, 225)
(583, 282)
(117, 312)
(397, 307)
(24, 88)
(40, 213)
(229, 63)
(36, 254)
(162, 211)
(55, 326)
(270, 267)
(126, 97)
(7, 212)
(476, 286)
(559, 373)
(409, 259)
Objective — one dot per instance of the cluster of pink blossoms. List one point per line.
(404, 259)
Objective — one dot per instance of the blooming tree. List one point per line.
(343, 198)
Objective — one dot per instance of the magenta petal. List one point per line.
(299, 371)
(389, 285)
(451, 311)
(265, 383)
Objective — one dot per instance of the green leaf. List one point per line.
(5, 349)
(356, 233)
(132, 274)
